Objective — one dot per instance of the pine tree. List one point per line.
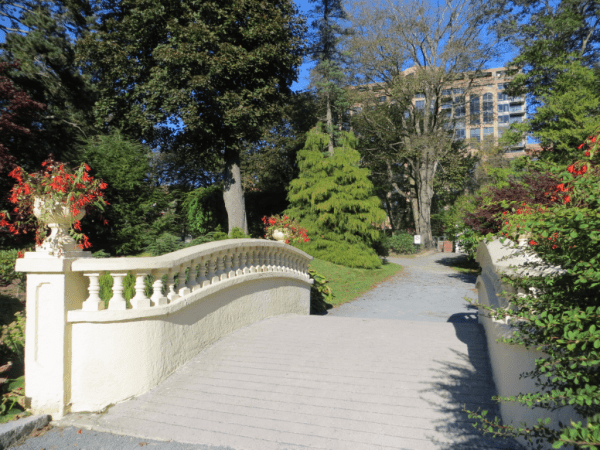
(334, 200)
(327, 76)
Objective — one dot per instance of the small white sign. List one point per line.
(417, 239)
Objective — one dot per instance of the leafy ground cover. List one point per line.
(347, 283)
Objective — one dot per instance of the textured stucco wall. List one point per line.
(113, 361)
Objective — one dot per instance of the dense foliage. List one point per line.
(206, 104)
(560, 309)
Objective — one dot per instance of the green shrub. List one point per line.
(402, 243)
(321, 294)
(357, 256)
(8, 259)
(165, 243)
(13, 335)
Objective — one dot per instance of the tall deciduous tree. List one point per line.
(557, 64)
(405, 49)
(216, 71)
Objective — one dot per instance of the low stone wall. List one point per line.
(80, 357)
(510, 361)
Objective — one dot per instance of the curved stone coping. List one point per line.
(175, 259)
(505, 258)
(182, 302)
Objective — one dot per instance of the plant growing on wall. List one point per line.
(561, 319)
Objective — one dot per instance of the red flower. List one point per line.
(532, 242)
(567, 199)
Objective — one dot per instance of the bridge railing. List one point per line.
(80, 356)
(508, 362)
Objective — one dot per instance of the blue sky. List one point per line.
(303, 77)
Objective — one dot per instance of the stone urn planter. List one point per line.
(58, 217)
(280, 235)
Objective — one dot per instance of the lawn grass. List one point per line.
(348, 284)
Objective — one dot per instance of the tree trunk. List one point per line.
(421, 202)
(329, 126)
(233, 195)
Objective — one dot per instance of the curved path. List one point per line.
(394, 373)
(428, 289)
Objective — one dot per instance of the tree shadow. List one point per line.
(466, 382)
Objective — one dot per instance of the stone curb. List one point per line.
(11, 432)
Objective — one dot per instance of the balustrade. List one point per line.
(195, 273)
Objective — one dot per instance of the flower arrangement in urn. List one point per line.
(56, 197)
(283, 229)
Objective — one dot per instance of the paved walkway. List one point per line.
(325, 382)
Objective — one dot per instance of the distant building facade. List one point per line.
(485, 111)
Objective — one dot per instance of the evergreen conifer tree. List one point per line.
(334, 200)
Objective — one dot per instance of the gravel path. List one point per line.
(426, 290)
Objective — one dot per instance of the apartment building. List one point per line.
(484, 111)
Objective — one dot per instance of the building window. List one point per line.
(420, 96)
(488, 131)
(501, 86)
(488, 108)
(446, 92)
(357, 110)
(516, 108)
(420, 105)
(475, 134)
(383, 98)
(458, 91)
(503, 107)
(500, 74)
(474, 110)
(515, 119)
(446, 105)
(502, 97)
(459, 133)
(503, 120)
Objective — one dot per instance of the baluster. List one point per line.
(157, 296)
(261, 260)
(296, 265)
(182, 288)
(117, 301)
(272, 259)
(193, 281)
(266, 259)
(236, 263)
(245, 257)
(172, 295)
(229, 272)
(252, 260)
(93, 302)
(220, 267)
(140, 300)
(212, 278)
(202, 280)
(278, 259)
(305, 269)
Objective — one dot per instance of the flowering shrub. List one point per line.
(288, 226)
(56, 183)
(562, 317)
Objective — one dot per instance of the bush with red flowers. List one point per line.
(560, 314)
(55, 184)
